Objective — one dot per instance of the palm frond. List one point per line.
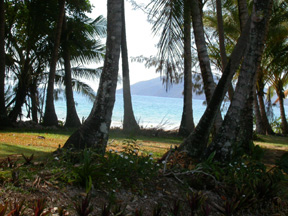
(84, 89)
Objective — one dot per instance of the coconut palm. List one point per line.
(225, 142)
(173, 20)
(79, 46)
(50, 117)
(129, 122)
(95, 130)
(3, 114)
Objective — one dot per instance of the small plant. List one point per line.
(175, 209)
(28, 159)
(157, 210)
(39, 207)
(3, 209)
(195, 202)
(138, 212)
(229, 207)
(15, 177)
(84, 208)
(17, 209)
(106, 210)
(8, 163)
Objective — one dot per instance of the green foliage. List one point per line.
(282, 163)
(276, 125)
(244, 182)
(88, 169)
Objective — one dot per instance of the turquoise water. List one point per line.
(149, 111)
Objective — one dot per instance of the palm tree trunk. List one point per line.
(243, 13)
(130, 124)
(196, 142)
(50, 117)
(4, 121)
(34, 100)
(207, 76)
(284, 125)
(72, 119)
(222, 43)
(260, 129)
(267, 125)
(224, 143)
(95, 130)
(187, 122)
(245, 134)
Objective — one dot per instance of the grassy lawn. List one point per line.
(39, 143)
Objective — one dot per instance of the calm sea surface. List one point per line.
(149, 111)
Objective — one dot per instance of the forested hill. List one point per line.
(154, 87)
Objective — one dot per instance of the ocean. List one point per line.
(149, 111)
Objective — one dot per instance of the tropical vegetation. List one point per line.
(246, 41)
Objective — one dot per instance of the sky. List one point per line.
(140, 39)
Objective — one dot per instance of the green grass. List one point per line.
(17, 150)
(273, 140)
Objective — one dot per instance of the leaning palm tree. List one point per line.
(50, 117)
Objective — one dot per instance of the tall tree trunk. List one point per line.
(224, 144)
(34, 100)
(95, 130)
(223, 54)
(187, 122)
(267, 125)
(207, 76)
(50, 117)
(197, 141)
(130, 124)
(4, 121)
(245, 134)
(246, 126)
(243, 13)
(260, 129)
(72, 119)
(284, 125)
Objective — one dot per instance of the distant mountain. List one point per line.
(154, 87)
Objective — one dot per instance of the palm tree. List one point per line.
(50, 117)
(173, 20)
(204, 60)
(196, 142)
(278, 80)
(224, 143)
(78, 46)
(129, 122)
(3, 113)
(187, 122)
(95, 130)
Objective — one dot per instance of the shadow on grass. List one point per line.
(16, 150)
(274, 140)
